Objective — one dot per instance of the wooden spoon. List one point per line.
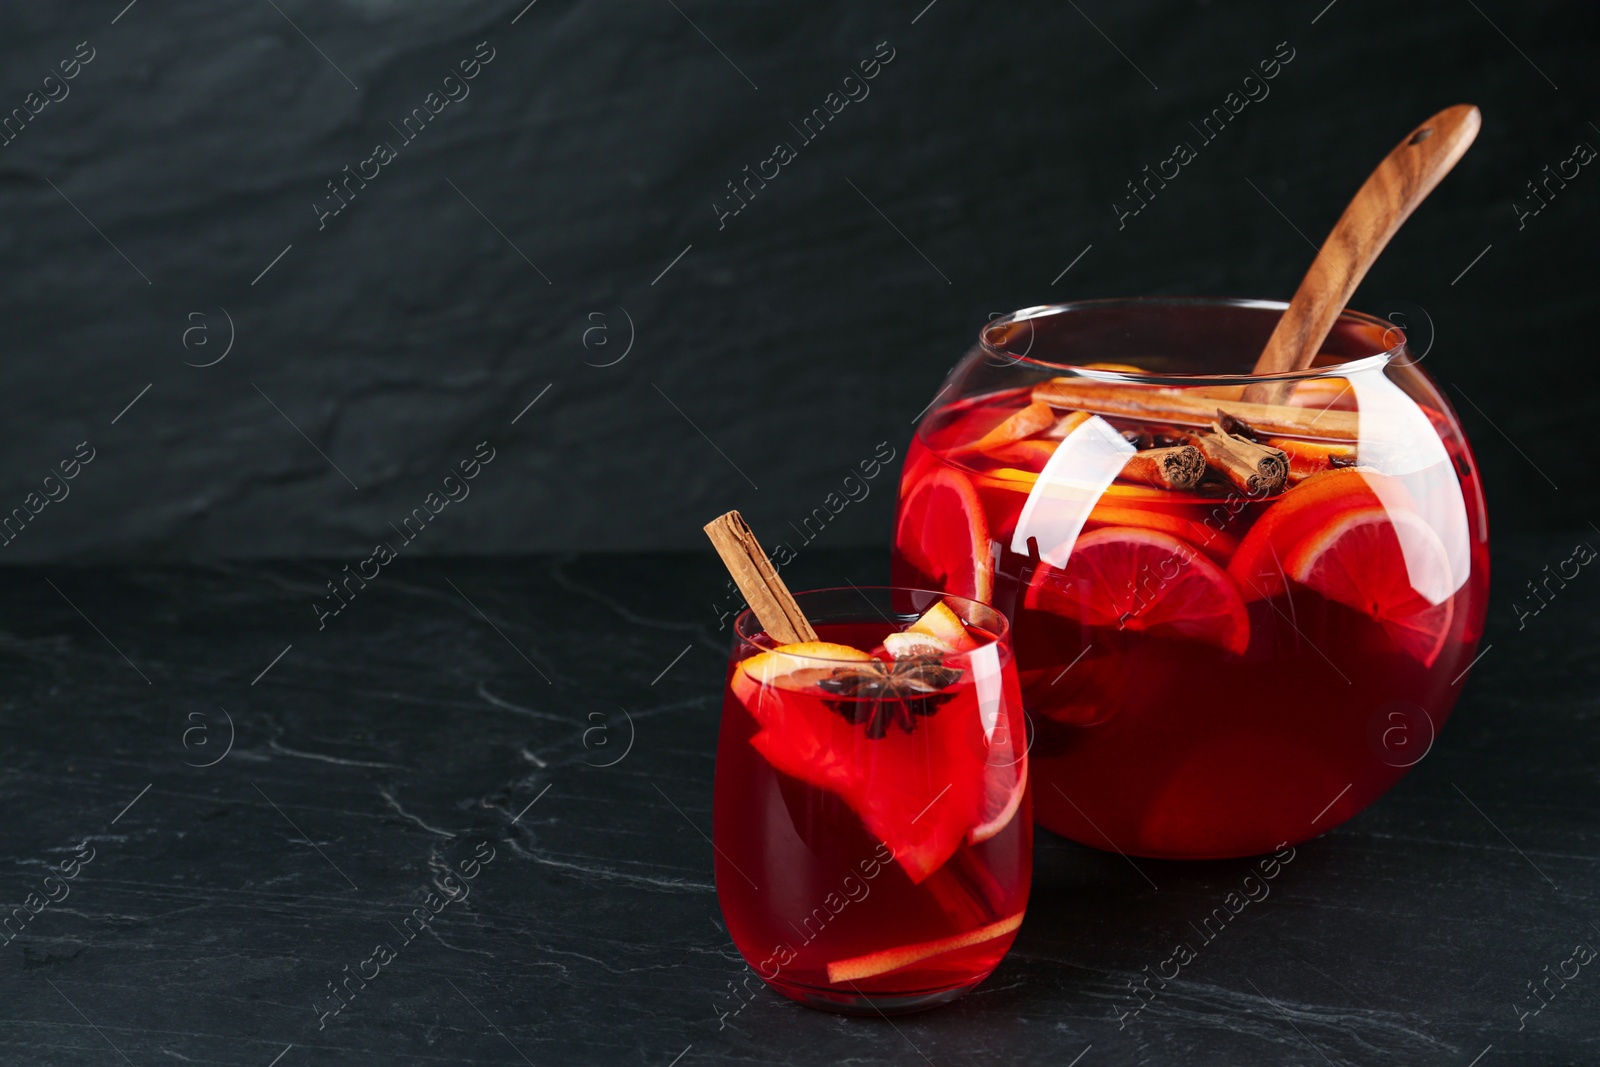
(1385, 200)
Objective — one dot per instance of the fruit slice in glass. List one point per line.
(872, 820)
(942, 525)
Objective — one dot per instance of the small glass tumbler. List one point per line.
(872, 818)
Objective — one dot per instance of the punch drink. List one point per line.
(872, 828)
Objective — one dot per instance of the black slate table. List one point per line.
(249, 805)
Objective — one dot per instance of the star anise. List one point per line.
(880, 693)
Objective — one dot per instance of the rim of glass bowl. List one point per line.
(745, 641)
(1373, 361)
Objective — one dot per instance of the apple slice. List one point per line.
(908, 643)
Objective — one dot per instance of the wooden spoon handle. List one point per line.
(1387, 198)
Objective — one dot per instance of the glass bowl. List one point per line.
(1242, 606)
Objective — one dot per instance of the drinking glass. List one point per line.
(872, 822)
(1219, 668)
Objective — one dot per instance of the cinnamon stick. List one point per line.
(1253, 468)
(758, 580)
(1169, 468)
(1191, 408)
(1236, 426)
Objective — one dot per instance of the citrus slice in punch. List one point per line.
(1213, 542)
(892, 959)
(799, 665)
(1144, 580)
(1312, 457)
(1258, 564)
(942, 533)
(1005, 778)
(942, 622)
(1364, 558)
(1026, 422)
(1022, 480)
(917, 786)
(1031, 454)
(1327, 394)
(1003, 790)
(949, 428)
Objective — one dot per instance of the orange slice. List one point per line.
(892, 959)
(798, 665)
(1135, 505)
(951, 426)
(1144, 580)
(1014, 427)
(1019, 481)
(1022, 481)
(1063, 427)
(1125, 492)
(1005, 773)
(940, 621)
(1310, 457)
(1357, 559)
(941, 531)
(1212, 542)
(1258, 565)
(1125, 368)
(1003, 790)
(1032, 454)
(1325, 393)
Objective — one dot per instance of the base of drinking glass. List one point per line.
(873, 1003)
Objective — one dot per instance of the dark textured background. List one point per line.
(776, 352)
(217, 910)
(796, 338)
